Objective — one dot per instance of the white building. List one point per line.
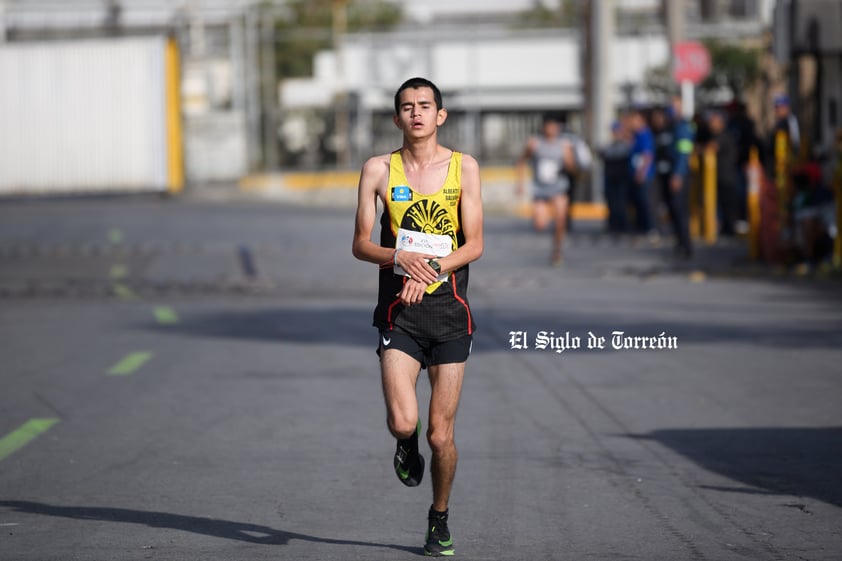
(808, 38)
(220, 106)
(497, 79)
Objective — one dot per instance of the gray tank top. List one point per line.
(548, 163)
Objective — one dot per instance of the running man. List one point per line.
(551, 157)
(431, 229)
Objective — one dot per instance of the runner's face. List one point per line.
(417, 113)
(551, 129)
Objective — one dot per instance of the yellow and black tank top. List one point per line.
(444, 312)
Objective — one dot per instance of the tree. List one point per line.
(733, 66)
(304, 28)
(568, 14)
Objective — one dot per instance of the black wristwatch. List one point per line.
(435, 265)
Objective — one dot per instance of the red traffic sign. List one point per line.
(691, 62)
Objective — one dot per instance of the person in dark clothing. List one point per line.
(786, 121)
(673, 146)
(727, 180)
(642, 159)
(744, 131)
(616, 158)
(663, 133)
(813, 210)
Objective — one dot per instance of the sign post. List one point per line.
(691, 66)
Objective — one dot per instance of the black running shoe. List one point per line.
(439, 541)
(409, 463)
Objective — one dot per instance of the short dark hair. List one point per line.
(553, 117)
(417, 83)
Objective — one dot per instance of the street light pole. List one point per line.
(674, 12)
(2, 21)
(601, 96)
(339, 28)
(270, 93)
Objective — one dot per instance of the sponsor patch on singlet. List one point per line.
(401, 193)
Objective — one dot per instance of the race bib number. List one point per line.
(419, 242)
(547, 171)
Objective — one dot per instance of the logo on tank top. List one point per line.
(429, 217)
(401, 193)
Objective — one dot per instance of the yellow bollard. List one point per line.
(753, 174)
(837, 195)
(695, 195)
(174, 132)
(782, 180)
(709, 196)
(837, 241)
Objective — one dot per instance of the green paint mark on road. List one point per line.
(115, 236)
(118, 272)
(130, 364)
(123, 291)
(24, 434)
(165, 315)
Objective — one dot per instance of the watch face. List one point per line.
(435, 265)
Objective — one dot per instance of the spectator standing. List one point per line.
(744, 131)
(677, 192)
(662, 132)
(787, 122)
(724, 145)
(616, 158)
(582, 157)
(643, 169)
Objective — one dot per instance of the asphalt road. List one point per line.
(185, 380)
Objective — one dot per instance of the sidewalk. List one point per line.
(339, 189)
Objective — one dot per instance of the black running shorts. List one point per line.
(428, 352)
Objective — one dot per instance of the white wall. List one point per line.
(511, 71)
(83, 116)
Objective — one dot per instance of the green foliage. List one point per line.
(733, 66)
(658, 81)
(568, 14)
(306, 27)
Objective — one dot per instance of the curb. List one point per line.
(338, 188)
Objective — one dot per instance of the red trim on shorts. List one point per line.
(461, 301)
(392, 307)
(389, 313)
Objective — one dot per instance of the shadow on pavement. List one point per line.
(820, 334)
(804, 462)
(224, 529)
(336, 326)
(351, 326)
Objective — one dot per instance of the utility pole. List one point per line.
(198, 47)
(269, 80)
(674, 11)
(251, 62)
(2, 21)
(601, 95)
(339, 28)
